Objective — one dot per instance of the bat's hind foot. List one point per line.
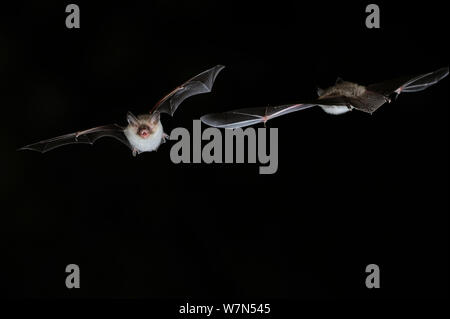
(388, 99)
(164, 138)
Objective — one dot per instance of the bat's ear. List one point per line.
(320, 91)
(155, 118)
(339, 80)
(132, 120)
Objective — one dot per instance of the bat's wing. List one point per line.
(199, 84)
(409, 84)
(378, 94)
(251, 116)
(83, 137)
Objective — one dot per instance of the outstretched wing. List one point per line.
(369, 102)
(82, 137)
(409, 83)
(199, 84)
(250, 116)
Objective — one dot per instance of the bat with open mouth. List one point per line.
(344, 96)
(144, 133)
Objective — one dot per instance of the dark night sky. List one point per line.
(350, 190)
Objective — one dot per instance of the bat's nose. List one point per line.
(144, 131)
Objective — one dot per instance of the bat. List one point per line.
(344, 96)
(144, 133)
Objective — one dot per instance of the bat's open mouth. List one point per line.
(144, 133)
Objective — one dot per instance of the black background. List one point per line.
(350, 190)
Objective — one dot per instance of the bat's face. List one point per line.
(144, 126)
(144, 132)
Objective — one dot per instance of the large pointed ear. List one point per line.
(132, 120)
(320, 91)
(155, 117)
(339, 80)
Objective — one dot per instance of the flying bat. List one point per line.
(144, 133)
(344, 96)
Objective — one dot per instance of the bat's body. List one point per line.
(342, 97)
(342, 88)
(143, 133)
(149, 144)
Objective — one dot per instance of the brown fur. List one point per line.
(344, 89)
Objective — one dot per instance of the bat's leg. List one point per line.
(135, 152)
(388, 99)
(164, 138)
(265, 118)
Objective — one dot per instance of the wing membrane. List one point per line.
(201, 83)
(250, 116)
(82, 137)
(408, 83)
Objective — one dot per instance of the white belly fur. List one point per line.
(335, 109)
(145, 144)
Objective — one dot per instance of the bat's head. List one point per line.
(144, 125)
